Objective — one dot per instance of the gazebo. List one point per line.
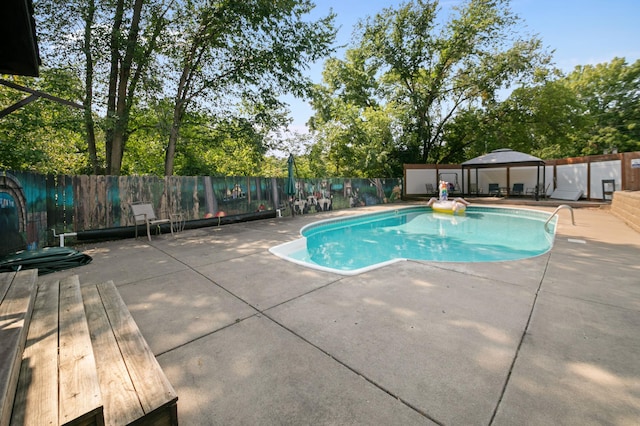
(503, 158)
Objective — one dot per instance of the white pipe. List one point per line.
(63, 235)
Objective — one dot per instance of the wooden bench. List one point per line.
(134, 387)
(85, 362)
(16, 306)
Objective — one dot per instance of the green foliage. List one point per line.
(43, 136)
(149, 129)
(593, 110)
(222, 148)
(416, 86)
(360, 145)
(231, 58)
(248, 53)
(409, 75)
(534, 119)
(610, 95)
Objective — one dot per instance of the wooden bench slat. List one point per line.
(16, 305)
(79, 390)
(36, 400)
(121, 404)
(82, 345)
(6, 278)
(153, 388)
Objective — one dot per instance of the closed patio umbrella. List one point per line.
(290, 185)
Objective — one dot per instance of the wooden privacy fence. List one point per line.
(103, 201)
(98, 202)
(31, 205)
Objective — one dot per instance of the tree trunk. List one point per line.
(180, 106)
(119, 102)
(114, 45)
(173, 140)
(88, 99)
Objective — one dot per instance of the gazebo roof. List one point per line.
(503, 157)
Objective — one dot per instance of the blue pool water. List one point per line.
(483, 234)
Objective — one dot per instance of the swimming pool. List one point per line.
(356, 244)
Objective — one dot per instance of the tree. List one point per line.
(353, 131)
(254, 49)
(43, 136)
(226, 147)
(130, 59)
(610, 94)
(360, 144)
(431, 72)
(426, 70)
(219, 56)
(112, 45)
(537, 119)
(147, 138)
(592, 110)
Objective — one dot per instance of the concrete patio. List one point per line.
(248, 338)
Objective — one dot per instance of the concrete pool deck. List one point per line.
(248, 338)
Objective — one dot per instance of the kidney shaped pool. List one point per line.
(356, 244)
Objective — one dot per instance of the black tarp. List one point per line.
(46, 260)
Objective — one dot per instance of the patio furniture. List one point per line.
(475, 189)
(608, 188)
(143, 214)
(543, 191)
(518, 189)
(571, 194)
(540, 189)
(494, 189)
(429, 188)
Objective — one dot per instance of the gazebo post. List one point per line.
(463, 176)
(538, 183)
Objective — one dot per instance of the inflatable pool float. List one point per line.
(444, 205)
(456, 206)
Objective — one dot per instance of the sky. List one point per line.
(581, 32)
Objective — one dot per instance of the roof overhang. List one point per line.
(502, 158)
(19, 54)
